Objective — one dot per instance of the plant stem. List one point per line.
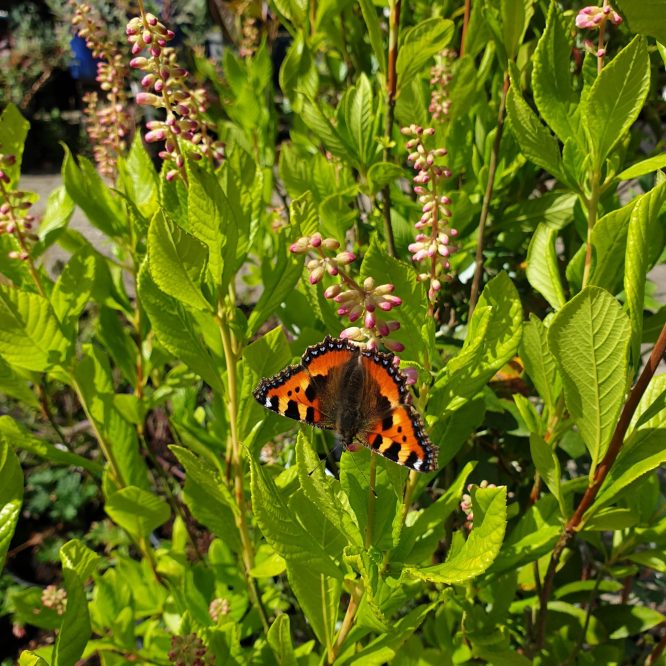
(347, 622)
(237, 465)
(391, 90)
(48, 414)
(592, 207)
(577, 519)
(488, 195)
(463, 39)
(659, 648)
(372, 498)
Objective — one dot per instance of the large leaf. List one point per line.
(482, 545)
(644, 229)
(137, 511)
(551, 76)
(616, 98)
(13, 130)
(77, 556)
(589, 338)
(516, 15)
(30, 335)
(59, 210)
(11, 496)
(139, 178)
(279, 638)
(646, 17)
(177, 261)
(419, 44)
(539, 361)
(359, 113)
(543, 270)
(208, 499)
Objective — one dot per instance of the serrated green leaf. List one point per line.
(178, 331)
(84, 185)
(643, 229)
(30, 335)
(13, 131)
(482, 545)
(317, 121)
(298, 72)
(75, 555)
(589, 338)
(551, 76)
(616, 98)
(516, 15)
(539, 361)
(137, 510)
(643, 167)
(59, 210)
(383, 173)
(11, 496)
(17, 436)
(15, 384)
(359, 113)
(208, 498)
(177, 262)
(75, 629)
(279, 638)
(419, 44)
(535, 141)
(543, 271)
(281, 528)
(139, 178)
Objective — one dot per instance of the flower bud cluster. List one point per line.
(250, 38)
(364, 305)
(592, 18)
(440, 78)
(15, 219)
(55, 598)
(185, 127)
(466, 504)
(109, 123)
(218, 608)
(189, 650)
(433, 242)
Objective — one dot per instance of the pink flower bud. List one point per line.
(394, 345)
(344, 258)
(155, 135)
(332, 291)
(411, 375)
(171, 174)
(352, 333)
(316, 275)
(315, 240)
(330, 244)
(355, 313)
(148, 99)
(332, 269)
(369, 321)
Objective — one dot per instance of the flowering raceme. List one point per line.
(590, 18)
(14, 217)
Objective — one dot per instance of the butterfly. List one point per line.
(357, 392)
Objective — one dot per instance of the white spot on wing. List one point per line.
(268, 403)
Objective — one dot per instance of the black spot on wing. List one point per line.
(383, 404)
(412, 459)
(275, 401)
(310, 392)
(310, 415)
(387, 422)
(392, 452)
(292, 410)
(377, 441)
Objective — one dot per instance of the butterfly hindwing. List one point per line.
(400, 436)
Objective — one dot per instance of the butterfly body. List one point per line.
(359, 394)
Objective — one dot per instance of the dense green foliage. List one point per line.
(194, 526)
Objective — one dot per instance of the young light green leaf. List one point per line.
(552, 84)
(539, 361)
(137, 511)
(292, 10)
(543, 270)
(612, 519)
(77, 556)
(11, 496)
(616, 98)
(59, 209)
(30, 335)
(589, 338)
(535, 141)
(13, 131)
(75, 629)
(644, 228)
(177, 262)
(358, 107)
(139, 178)
(643, 167)
(547, 464)
(419, 44)
(29, 658)
(383, 173)
(482, 545)
(516, 15)
(88, 191)
(208, 498)
(279, 638)
(298, 72)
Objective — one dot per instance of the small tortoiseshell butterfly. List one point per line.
(356, 392)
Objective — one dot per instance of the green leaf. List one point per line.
(320, 125)
(612, 519)
(30, 335)
(137, 511)
(29, 658)
(643, 167)
(278, 281)
(17, 436)
(589, 338)
(383, 173)
(624, 620)
(75, 629)
(298, 72)
(482, 545)
(178, 331)
(516, 15)
(13, 384)
(139, 178)
(649, 558)
(552, 84)
(279, 638)
(292, 10)
(535, 141)
(281, 529)
(616, 98)
(546, 463)
(371, 19)
(11, 496)
(59, 210)
(208, 498)
(419, 44)
(177, 262)
(13, 130)
(359, 114)
(645, 17)
(643, 230)
(211, 220)
(75, 555)
(539, 361)
(543, 271)
(118, 342)
(84, 185)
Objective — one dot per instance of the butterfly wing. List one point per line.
(396, 431)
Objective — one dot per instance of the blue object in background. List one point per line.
(82, 66)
